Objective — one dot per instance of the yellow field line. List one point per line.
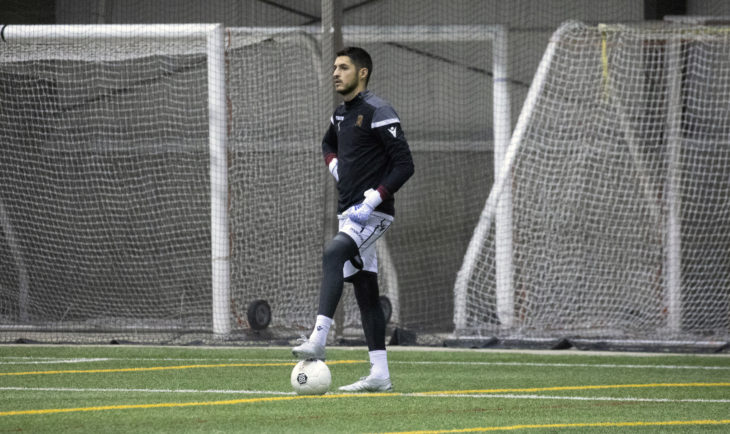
(186, 404)
(168, 368)
(574, 425)
(365, 395)
(585, 387)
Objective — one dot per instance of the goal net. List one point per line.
(105, 202)
(277, 175)
(619, 180)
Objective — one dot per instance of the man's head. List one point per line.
(351, 72)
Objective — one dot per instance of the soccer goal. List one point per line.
(160, 181)
(618, 168)
(114, 178)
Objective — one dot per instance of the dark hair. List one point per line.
(360, 58)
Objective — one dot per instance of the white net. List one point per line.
(106, 204)
(105, 184)
(277, 175)
(107, 211)
(619, 180)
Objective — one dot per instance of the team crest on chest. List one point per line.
(358, 122)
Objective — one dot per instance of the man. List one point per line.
(367, 153)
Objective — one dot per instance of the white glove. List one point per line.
(333, 169)
(360, 213)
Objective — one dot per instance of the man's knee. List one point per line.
(340, 249)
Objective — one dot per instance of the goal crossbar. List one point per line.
(44, 32)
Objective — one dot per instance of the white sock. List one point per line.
(379, 364)
(321, 329)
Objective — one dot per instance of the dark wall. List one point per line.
(27, 11)
(658, 9)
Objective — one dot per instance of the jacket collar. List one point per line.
(357, 99)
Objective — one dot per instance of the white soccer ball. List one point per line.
(311, 377)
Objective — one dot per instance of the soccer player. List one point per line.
(367, 153)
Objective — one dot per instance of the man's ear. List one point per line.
(364, 72)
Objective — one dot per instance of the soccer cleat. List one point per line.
(369, 384)
(309, 350)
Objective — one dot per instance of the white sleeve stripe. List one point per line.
(385, 122)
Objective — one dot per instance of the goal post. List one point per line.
(616, 162)
(673, 241)
(217, 111)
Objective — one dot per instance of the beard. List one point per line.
(349, 88)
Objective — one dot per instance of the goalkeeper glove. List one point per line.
(360, 213)
(333, 169)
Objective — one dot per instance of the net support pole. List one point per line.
(673, 241)
(503, 218)
(218, 137)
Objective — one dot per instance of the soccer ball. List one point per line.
(311, 377)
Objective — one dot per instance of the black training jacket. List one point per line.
(366, 137)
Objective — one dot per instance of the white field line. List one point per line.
(48, 360)
(420, 395)
(52, 361)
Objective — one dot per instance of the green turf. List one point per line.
(196, 389)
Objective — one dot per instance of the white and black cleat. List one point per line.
(309, 351)
(369, 384)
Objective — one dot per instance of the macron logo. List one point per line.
(392, 131)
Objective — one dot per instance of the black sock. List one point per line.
(368, 299)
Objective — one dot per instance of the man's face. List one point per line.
(345, 76)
